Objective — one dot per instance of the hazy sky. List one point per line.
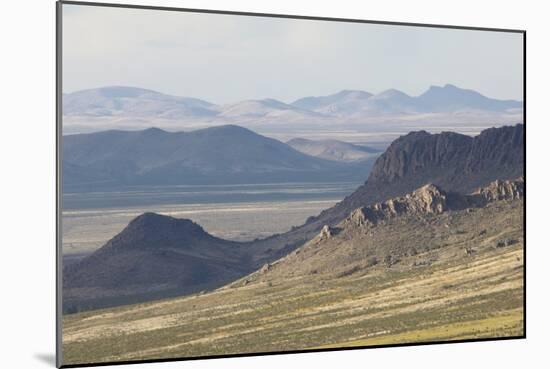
(226, 58)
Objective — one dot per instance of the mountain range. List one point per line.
(134, 108)
(455, 164)
(223, 154)
(138, 102)
(448, 98)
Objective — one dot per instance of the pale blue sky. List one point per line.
(226, 58)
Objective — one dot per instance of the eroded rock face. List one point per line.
(422, 155)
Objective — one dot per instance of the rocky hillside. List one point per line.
(408, 231)
(451, 161)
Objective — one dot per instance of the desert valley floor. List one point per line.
(239, 212)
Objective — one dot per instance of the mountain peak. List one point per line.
(153, 130)
(447, 86)
(155, 220)
(451, 87)
(228, 129)
(155, 231)
(354, 94)
(391, 93)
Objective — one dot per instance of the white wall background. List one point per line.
(27, 185)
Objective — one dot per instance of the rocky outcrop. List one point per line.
(430, 199)
(325, 233)
(502, 190)
(426, 227)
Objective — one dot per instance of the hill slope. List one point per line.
(380, 234)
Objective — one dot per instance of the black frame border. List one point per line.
(58, 195)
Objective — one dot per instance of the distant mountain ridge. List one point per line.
(333, 149)
(448, 98)
(139, 102)
(131, 102)
(263, 108)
